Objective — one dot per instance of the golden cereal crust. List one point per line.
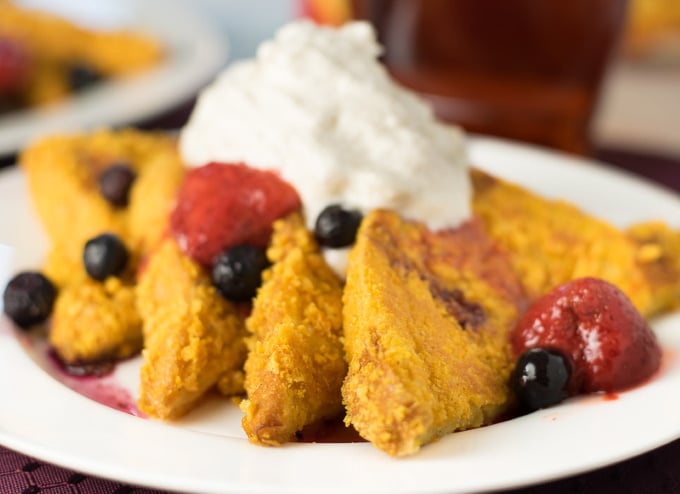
(193, 337)
(426, 320)
(62, 174)
(95, 321)
(658, 255)
(296, 364)
(551, 242)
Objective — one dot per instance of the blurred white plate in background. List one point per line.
(195, 52)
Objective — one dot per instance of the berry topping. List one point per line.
(115, 183)
(81, 76)
(336, 226)
(591, 321)
(28, 298)
(540, 378)
(104, 255)
(237, 272)
(15, 65)
(223, 205)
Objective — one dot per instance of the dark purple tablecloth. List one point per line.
(655, 472)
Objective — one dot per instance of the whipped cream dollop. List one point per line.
(317, 106)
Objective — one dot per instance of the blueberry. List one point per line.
(104, 255)
(540, 378)
(237, 272)
(28, 298)
(336, 226)
(115, 183)
(81, 76)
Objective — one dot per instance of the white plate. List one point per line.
(208, 452)
(195, 51)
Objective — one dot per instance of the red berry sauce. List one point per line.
(94, 381)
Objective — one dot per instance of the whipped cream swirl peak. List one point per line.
(316, 106)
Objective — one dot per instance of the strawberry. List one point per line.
(223, 205)
(610, 344)
(14, 66)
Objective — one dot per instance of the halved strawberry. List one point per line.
(221, 205)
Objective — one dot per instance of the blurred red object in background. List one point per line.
(330, 12)
(15, 65)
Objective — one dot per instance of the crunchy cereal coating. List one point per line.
(658, 255)
(62, 176)
(426, 320)
(193, 337)
(296, 364)
(95, 322)
(551, 242)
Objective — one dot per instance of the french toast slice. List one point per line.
(295, 367)
(426, 323)
(62, 173)
(658, 255)
(551, 242)
(193, 337)
(96, 321)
